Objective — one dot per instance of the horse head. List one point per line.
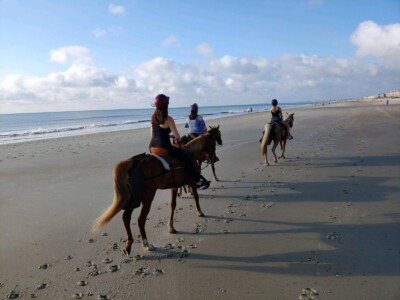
(215, 134)
(290, 120)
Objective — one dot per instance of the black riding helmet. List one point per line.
(274, 102)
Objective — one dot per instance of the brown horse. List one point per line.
(137, 179)
(277, 133)
(216, 137)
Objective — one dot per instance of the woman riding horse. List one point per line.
(195, 122)
(161, 126)
(137, 179)
(276, 116)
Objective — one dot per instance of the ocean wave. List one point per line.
(44, 131)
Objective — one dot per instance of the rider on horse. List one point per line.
(195, 122)
(276, 117)
(161, 127)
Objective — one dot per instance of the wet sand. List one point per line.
(324, 222)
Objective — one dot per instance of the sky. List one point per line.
(96, 54)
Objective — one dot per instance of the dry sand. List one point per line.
(326, 218)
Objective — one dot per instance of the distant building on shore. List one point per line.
(392, 94)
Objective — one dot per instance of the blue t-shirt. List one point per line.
(195, 126)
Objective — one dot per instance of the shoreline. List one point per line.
(37, 135)
(322, 219)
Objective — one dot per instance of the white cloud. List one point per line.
(205, 50)
(122, 82)
(382, 42)
(98, 32)
(221, 80)
(170, 40)
(71, 54)
(116, 9)
(228, 79)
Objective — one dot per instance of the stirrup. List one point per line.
(204, 184)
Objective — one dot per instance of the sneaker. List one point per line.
(290, 137)
(202, 185)
(215, 159)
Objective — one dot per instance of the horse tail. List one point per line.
(122, 192)
(265, 139)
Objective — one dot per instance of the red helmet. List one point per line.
(161, 101)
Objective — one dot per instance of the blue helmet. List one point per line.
(194, 107)
(274, 102)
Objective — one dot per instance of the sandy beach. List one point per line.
(322, 224)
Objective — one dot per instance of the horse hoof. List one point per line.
(147, 245)
(172, 230)
(200, 214)
(127, 252)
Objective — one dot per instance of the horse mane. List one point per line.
(197, 144)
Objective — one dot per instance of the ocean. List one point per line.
(22, 127)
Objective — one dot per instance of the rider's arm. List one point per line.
(280, 113)
(202, 123)
(172, 126)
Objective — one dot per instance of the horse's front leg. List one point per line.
(283, 147)
(213, 169)
(196, 199)
(273, 151)
(266, 156)
(146, 205)
(174, 193)
(126, 217)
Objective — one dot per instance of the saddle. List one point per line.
(136, 178)
(271, 134)
(169, 163)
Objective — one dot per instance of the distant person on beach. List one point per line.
(195, 122)
(387, 102)
(161, 127)
(276, 113)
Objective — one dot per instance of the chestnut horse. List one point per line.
(277, 133)
(137, 179)
(215, 134)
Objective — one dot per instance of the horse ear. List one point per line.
(218, 126)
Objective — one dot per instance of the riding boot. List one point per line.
(203, 183)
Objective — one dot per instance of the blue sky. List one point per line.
(77, 55)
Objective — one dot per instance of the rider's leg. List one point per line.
(181, 155)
